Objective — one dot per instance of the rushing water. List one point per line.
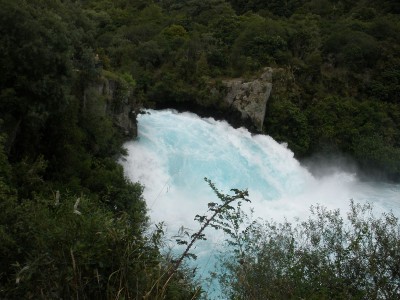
(175, 151)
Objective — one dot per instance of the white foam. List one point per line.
(175, 151)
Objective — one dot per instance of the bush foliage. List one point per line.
(325, 257)
(336, 88)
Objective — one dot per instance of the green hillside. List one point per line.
(71, 224)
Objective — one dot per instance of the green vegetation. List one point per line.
(336, 88)
(71, 225)
(326, 55)
(324, 257)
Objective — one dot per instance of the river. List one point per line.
(175, 151)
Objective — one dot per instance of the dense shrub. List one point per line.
(324, 257)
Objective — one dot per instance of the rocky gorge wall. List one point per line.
(240, 101)
(249, 97)
(243, 102)
(112, 97)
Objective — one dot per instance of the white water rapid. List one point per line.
(175, 151)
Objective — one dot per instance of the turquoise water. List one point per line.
(175, 151)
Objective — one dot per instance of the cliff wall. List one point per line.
(112, 97)
(240, 101)
(249, 97)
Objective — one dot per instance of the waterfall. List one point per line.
(175, 151)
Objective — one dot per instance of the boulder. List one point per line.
(249, 97)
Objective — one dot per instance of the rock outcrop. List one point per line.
(111, 97)
(250, 97)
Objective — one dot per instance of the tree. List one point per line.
(277, 7)
(287, 123)
(261, 42)
(353, 48)
(35, 46)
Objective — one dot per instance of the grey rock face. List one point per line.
(250, 97)
(108, 98)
